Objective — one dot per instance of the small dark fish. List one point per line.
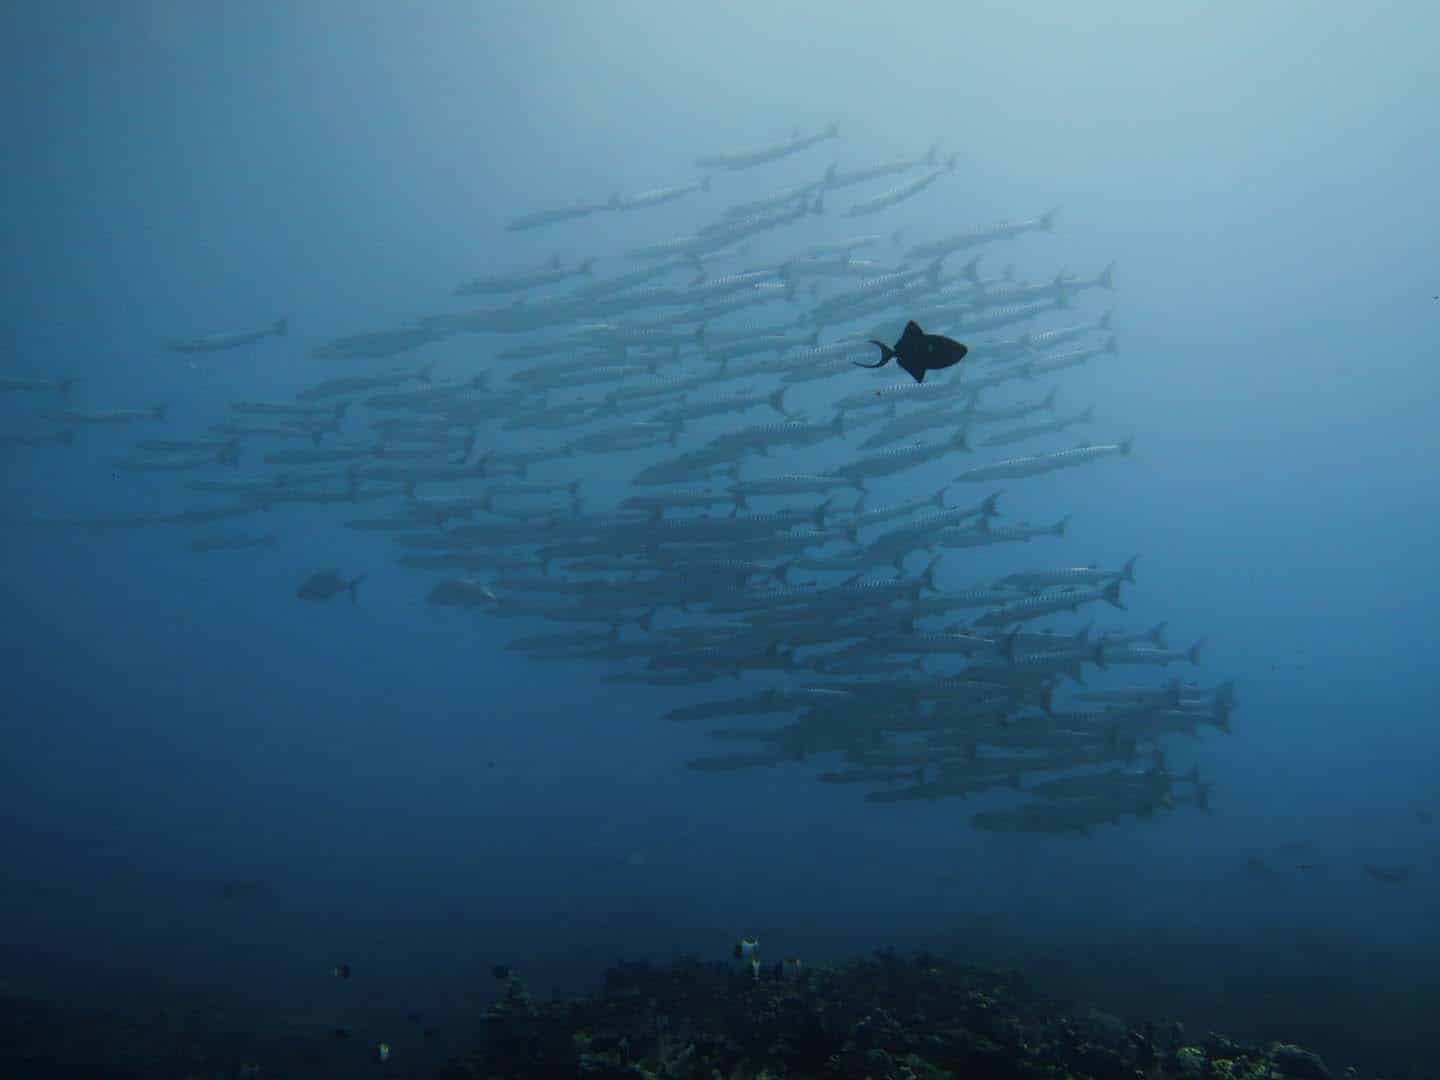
(501, 971)
(327, 583)
(918, 352)
(1392, 874)
(340, 1033)
(341, 971)
(414, 1017)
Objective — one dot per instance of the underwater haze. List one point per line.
(237, 753)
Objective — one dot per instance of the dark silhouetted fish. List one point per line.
(327, 583)
(918, 352)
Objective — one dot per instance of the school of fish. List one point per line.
(673, 453)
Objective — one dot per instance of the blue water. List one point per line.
(423, 805)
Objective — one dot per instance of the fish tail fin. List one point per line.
(1062, 525)
(886, 355)
(1103, 323)
(961, 440)
(1125, 445)
(1049, 402)
(829, 177)
(971, 270)
(821, 512)
(777, 401)
(1112, 594)
(68, 438)
(340, 409)
(1113, 346)
(1127, 572)
(353, 587)
(585, 266)
(1106, 277)
(987, 508)
(705, 182)
(281, 327)
(1193, 653)
(1047, 219)
(927, 576)
(939, 497)
(63, 386)
(159, 412)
